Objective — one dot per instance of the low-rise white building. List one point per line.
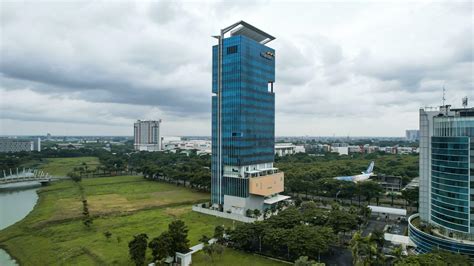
(340, 150)
(405, 150)
(372, 149)
(282, 149)
(201, 146)
(355, 149)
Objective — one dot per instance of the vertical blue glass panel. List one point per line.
(248, 106)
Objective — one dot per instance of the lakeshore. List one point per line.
(53, 233)
(16, 201)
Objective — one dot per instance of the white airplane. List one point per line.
(359, 178)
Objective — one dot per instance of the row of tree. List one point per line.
(303, 172)
(187, 170)
(368, 251)
(306, 230)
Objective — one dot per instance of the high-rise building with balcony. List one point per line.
(412, 134)
(147, 135)
(243, 121)
(19, 145)
(446, 204)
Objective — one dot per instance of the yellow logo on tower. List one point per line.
(268, 55)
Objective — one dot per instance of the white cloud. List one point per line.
(341, 67)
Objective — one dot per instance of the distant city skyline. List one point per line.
(344, 69)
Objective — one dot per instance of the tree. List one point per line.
(266, 213)
(392, 195)
(369, 189)
(87, 222)
(357, 246)
(365, 251)
(348, 190)
(178, 233)
(257, 213)
(107, 235)
(276, 240)
(342, 221)
(298, 201)
(397, 254)
(287, 218)
(85, 212)
(365, 212)
(259, 231)
(377, 236)
(137, 249)
(242, 237)
(308, 206)
(410, 196)
(213, 248)
(435, 258)
(305, 240)
(74, 176)
(219, 233)
(209, 251)
(204, 239)
(314, 215)
(248, 213)
(218, 248)
(161, 246)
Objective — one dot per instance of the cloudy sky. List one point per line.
(343, 68)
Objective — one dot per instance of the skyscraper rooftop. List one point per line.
(247, 30)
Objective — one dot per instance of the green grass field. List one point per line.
(53, 233)
(62, 166)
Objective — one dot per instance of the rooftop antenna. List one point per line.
(464, 102)
(444, 95)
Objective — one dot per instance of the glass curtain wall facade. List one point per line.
(452, 173)
(248, 113)
(446, 182)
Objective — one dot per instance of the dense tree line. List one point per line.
(307, 167)
(34, 158)
(442, 258)
(314, 175)
(188, 170)
(306, 230)
(304, 174)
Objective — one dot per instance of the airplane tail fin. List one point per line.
(370, 169)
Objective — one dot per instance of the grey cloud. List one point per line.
(134, 58)
(165, 11)
(455, 55)
(132, 71)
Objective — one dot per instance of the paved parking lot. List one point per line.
(395, 226)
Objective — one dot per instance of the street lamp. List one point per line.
(337, 194)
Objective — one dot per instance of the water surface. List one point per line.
(16, 201)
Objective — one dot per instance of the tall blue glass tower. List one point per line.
(243, 121)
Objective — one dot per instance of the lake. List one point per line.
(16, 201)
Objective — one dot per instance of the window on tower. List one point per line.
(232, 49)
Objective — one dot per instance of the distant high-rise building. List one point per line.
(19, 145)
(412, 135)
(147, 135)
(243, 121)
(446, 199)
